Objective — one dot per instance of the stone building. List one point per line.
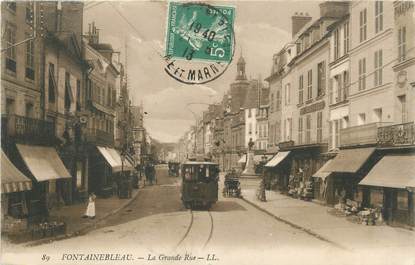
(104, 161)
(37, 126)
(303, 98)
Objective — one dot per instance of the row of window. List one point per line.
(378, 70)
(363, 21)
(321, 83)
(97, 93)
(304, 132)
(68, 96)
(274, 133)
(262, 130)
(339, 88)
(346, 41)
(28, 108)
(11, 59)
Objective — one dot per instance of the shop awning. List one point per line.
(350, 160)
(12, 180)
(392, 171)
(113, 158)
(130, 159)
(43, 162)
(242, 160)
(322, 172)
(278, 158)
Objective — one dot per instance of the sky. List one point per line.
(137, 29)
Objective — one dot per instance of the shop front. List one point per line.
(277, 171)
(388, 186)
(14, 188)
(321, 178)
(347, 170)
(51, 180)
(305, 161)
(108, 172)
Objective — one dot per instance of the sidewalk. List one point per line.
(315, 220)
(76, 225)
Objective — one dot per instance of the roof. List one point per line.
(393, 171)
(102, 46)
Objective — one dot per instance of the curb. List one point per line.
(296, 226)
(87, 228)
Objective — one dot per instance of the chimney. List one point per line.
(298, 22)
(334, 9)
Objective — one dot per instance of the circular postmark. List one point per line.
(200, 41)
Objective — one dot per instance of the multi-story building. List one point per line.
(63, 97)
(250, 108)
(339, 75)
(388, 185)
(33, 33)
(261, 143)
(302, 82)
(138, 134)
(100, 112)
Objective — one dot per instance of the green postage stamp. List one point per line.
(199, 41)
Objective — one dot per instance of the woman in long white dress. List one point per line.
(90, 209)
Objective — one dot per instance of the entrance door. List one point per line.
(388, 202)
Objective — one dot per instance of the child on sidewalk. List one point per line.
(90, 209)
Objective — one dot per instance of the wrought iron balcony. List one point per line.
(27, 130)
(396, 135)
(99, 137)
(361, 134)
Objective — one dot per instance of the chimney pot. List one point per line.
(298, 22)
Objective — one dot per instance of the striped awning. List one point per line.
(12, 180)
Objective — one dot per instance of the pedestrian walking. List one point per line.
(153, 174)
(90, 209)
(147, 172)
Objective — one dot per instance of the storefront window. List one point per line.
(376, 197)
(402, 200)
(16, 205)
(52, 186)
(79, 179)
(358, 196)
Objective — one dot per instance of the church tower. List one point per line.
(241, 75)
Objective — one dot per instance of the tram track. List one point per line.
(190, 230)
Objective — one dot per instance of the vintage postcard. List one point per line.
(207, 132)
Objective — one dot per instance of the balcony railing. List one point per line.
(27, 129)
(99, 137)
(395, 135)
(360, 135)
